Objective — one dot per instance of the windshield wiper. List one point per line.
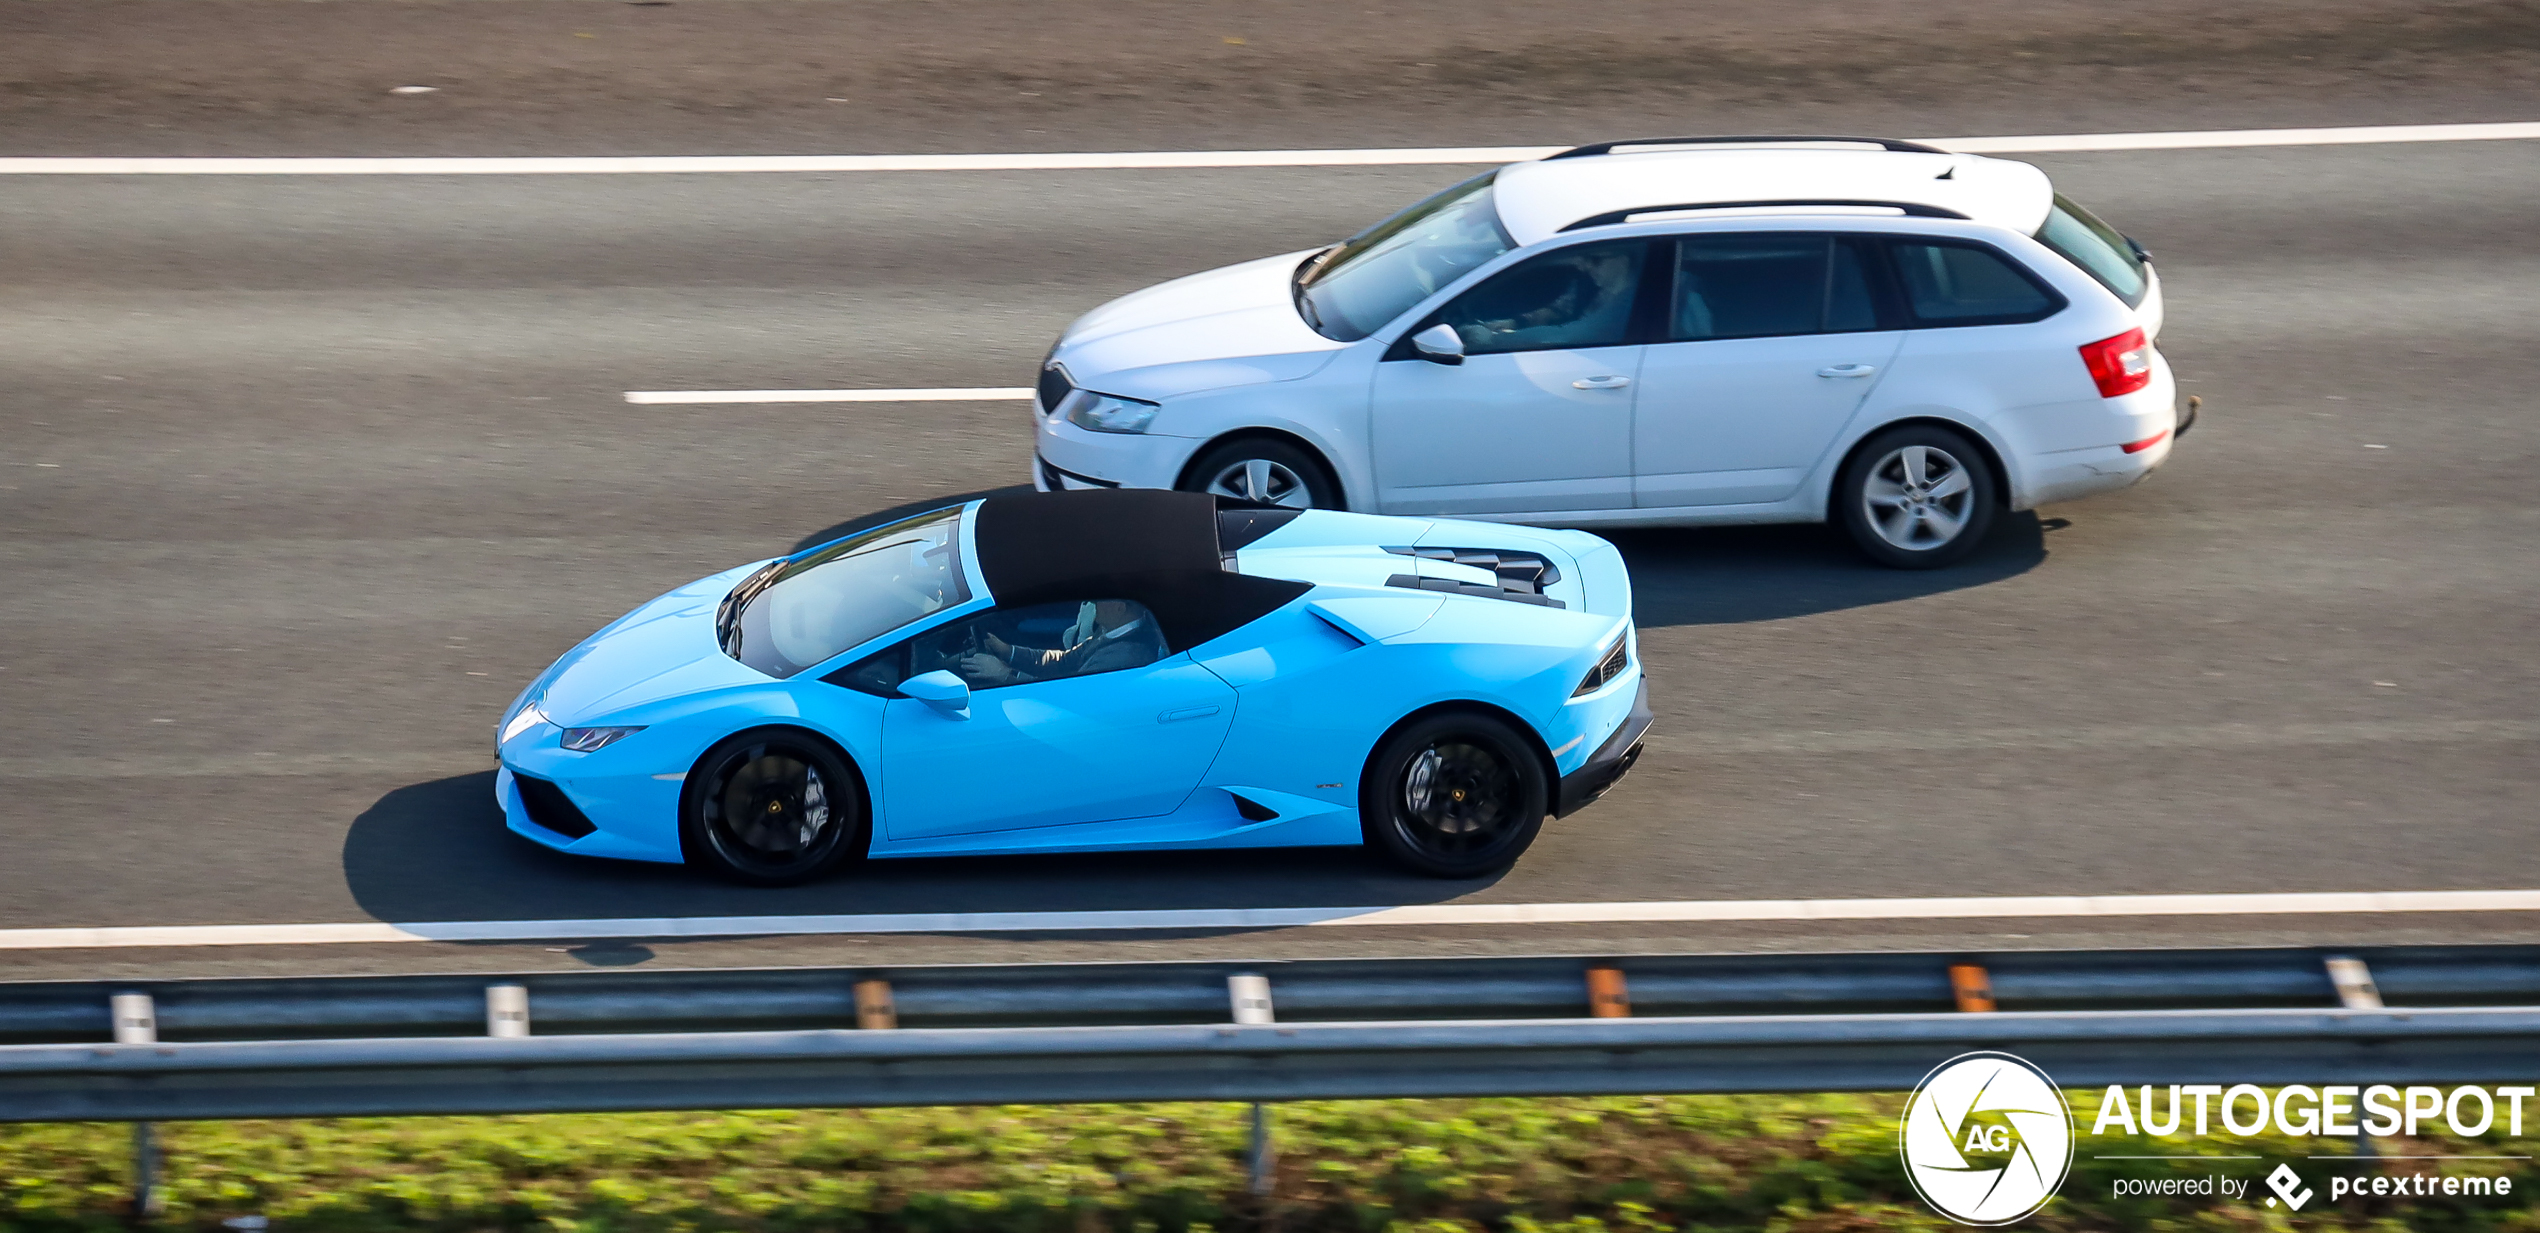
(1305, 272)
(727, 617)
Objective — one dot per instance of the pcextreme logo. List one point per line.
(1986, 1138)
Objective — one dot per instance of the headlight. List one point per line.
(585, 740)
(1108, 413)
(528, 717)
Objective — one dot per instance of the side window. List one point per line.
(1041, 642)
(1759, 286)
(1967, 284)
(1579, 296)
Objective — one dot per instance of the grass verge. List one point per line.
(1775, 1164)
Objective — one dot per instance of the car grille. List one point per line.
(549, 807)
(1054, 387)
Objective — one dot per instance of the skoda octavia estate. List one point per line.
(1884, 335)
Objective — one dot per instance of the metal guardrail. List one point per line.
(1051, 995)
(1343, 1029)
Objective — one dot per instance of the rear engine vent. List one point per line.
(1606, 669)
(1524, 572)
(1450, 586)
(549, 807)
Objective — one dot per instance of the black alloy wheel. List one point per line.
(1454, 795)
(772, 808)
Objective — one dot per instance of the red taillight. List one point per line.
(2146, 443)
(2121, 365)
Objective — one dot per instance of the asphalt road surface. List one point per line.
(302, 478)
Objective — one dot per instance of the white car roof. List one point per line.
(1538, 200)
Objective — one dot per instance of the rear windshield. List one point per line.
(809, 607)
(1369, 279)
(2079, 236)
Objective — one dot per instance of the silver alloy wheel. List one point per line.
(1918, 498)
(1263, 481)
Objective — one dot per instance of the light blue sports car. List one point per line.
(1093, 672)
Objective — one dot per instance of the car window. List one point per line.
(1967, 284)
(1019, 646)
(817, 603)
(2100, 250)
(1580, 296)
(1379, 274)
(1754, 286)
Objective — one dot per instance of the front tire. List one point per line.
(1454, 795)
(1916, 497)
(772, 807)
(1265, 471)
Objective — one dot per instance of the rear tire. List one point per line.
(1916, 497)
(773, 807)
(1454, 795)
(1266, 471)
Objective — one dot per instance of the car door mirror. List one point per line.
(941, 690)
(1439, 344)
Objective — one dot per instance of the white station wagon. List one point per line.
(1884, 335)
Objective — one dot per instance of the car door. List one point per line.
(1539, 415)
(1118, 736)
(1772, 340)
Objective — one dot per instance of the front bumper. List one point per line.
(1611, 761)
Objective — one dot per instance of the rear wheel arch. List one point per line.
(1534, 739)
(1985, 450)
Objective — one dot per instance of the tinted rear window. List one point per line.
(1967, 284)
(2100, 250)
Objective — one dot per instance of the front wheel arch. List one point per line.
(693, 783)
(1189, 479)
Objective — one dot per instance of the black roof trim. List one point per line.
(1913, 209)
(1157, 547)
(1886, 143)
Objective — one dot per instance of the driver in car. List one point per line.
(1108, 635)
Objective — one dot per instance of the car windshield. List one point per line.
(810, 606)
(1353, 288)
(2099, 249)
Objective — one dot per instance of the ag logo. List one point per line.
(1986, 1138)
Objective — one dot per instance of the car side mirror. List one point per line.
(940, 690)
(1439, 344)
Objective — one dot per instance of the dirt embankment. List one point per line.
(703, 76)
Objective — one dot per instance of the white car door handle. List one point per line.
(1848, 370)
(1600, 383)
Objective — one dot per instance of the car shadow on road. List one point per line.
(438, 851)
(1730, 575)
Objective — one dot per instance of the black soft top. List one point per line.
(1162, 549)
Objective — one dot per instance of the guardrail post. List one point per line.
(507, 1011)
(2355, 990)
(1974, 987)
(136, 1019)
(1608, 996)
(873, 1006)
(1248, 994)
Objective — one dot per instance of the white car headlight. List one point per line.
(1108, 413)
(528, 717)
(585, 740)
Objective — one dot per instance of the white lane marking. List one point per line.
(1467, 914)
(697, 398)
(1133, 160)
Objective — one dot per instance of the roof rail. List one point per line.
(1887, 143)
(1915, 209)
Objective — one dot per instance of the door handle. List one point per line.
(1848, 370)
(1188, 712)
(1600, 383)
